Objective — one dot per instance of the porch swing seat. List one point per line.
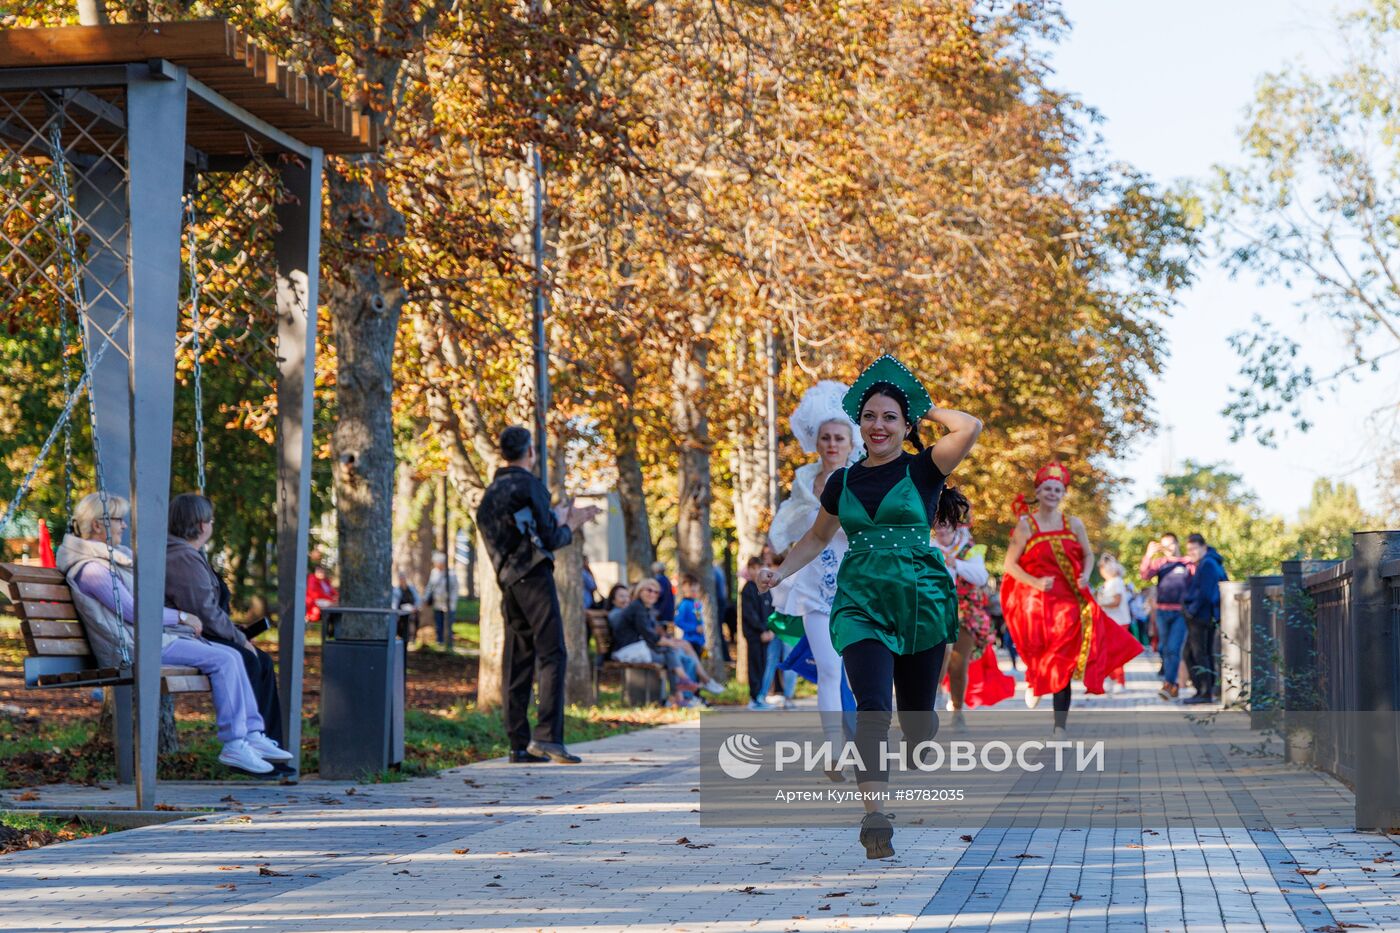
(59, 653)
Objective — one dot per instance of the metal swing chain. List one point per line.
(71, 394)
(191, 241)
(90, 361)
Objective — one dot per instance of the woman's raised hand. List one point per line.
(767, 579)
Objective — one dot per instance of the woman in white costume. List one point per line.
(822, 427)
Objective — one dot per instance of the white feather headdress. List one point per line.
(820, 404)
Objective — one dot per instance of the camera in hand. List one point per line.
(254, 629)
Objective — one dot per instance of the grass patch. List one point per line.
(433, 741)
(21, 831)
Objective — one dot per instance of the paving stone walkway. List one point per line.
(616, 843)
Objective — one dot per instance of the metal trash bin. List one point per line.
(362, 691)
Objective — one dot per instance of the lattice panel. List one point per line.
(233, 221)
(54, 145)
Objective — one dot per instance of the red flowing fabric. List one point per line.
(46, 558)
(1048, 627)
(986, 684)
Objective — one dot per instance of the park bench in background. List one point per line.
(641, 682)
(59, 653)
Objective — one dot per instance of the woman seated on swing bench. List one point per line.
(89, 565)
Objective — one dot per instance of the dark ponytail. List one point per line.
(914, 438)
(953, 508)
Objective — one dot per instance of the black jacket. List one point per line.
(757, 608)
(517, 524)
(635, 625)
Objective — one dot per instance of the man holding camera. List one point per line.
(521, 532)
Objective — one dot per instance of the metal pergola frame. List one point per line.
(134, 218)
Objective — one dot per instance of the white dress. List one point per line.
(813, 588)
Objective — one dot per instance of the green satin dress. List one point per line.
(893, 585)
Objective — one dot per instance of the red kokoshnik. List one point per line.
(1052, 470)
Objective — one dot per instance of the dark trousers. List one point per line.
(1060, 704)
(758, 662)
(440, 625)
(262, 674)
(875, 673)
(534, 650)
(1200, 654)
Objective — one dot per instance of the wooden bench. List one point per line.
(59, 653)
(641, 681)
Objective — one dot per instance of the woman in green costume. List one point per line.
(896, 608)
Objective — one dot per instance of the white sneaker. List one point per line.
(949, 705)
(714, 686)
(239, 754)
(1032, 698)
(268, 749)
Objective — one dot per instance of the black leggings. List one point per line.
(1061, 705)
(874, 671)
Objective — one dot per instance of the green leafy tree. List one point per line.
(1314, 205)
(1210, 500)
(1326, 524)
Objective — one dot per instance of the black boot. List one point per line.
(877, 834)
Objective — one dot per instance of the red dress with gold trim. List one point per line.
(1062, 634)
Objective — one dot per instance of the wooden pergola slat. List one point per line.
(223, 58)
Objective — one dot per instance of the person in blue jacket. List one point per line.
(690, 614)
(1202, 609)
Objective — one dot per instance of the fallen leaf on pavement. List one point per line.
(460, 851)
(269, 873)
(966, 838)
(1307, 871)
(1026, 855)
(1076, 897)
(227, 886)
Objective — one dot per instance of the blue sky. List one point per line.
(1172, 82)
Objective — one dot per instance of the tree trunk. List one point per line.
(631, 489)
(168, 742)
(694, 539)
(489, 678)
(92, 13)
(365, 303)
(753, 509)
(568, 580)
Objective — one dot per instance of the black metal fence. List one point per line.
(1316, 656)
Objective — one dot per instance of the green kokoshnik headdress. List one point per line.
(888, 369)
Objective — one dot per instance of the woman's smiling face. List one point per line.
(1050, 493)
(882, 426)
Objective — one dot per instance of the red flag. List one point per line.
(45, 546)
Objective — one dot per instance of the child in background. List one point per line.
(690, 614)
(1113, 599)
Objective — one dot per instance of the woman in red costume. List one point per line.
(1058, 628)
(973, 676)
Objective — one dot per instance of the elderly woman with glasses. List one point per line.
(639, 641)
(99, 571)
